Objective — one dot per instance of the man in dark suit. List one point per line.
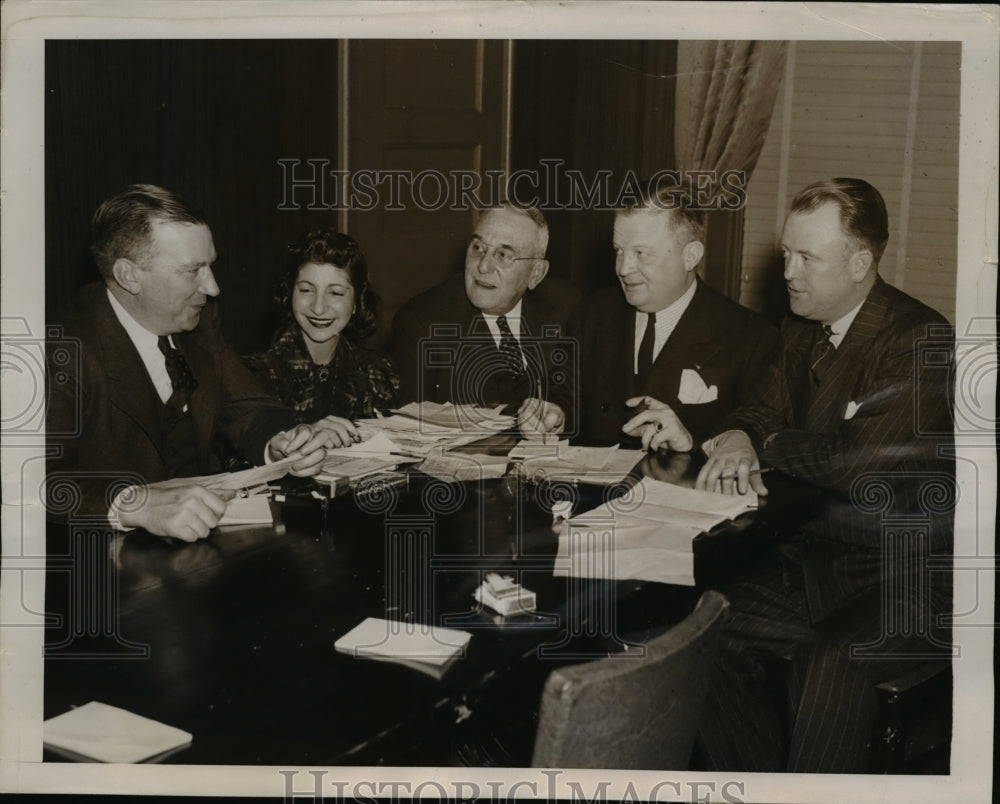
(663, 357)
(487, 336)
(156, 386)
(857, 407)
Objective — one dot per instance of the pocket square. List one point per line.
(852, 408)
(693, 390)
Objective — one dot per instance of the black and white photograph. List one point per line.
(489, 400)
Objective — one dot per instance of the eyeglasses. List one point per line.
(503, 256)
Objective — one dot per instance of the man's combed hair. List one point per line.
(327, 246)
(121, 225)
(534, 214)
(674, 198)
(862, 210)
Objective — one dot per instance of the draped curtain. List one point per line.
(725, 97)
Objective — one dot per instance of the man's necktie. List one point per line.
(182, 381)
(645, 363)
(819, 355)
(509, 348)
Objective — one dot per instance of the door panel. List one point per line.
(431, 109)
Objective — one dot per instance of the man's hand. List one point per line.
(309, 446)
(186, 512)
(732, 465)
(657, 425)
(341, 432)
(536, 416)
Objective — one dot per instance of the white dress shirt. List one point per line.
(842, 324)
(146, 344)
(666, 323)
(513, 317)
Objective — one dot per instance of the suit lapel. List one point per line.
(829, 403)
(202, 364)
(129, 385)
(691, 345)
(620, 371)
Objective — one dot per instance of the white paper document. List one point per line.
(459, 417)
(428, 428)
(459, 467)
(647, 534)
(544, 458)
(378, 443)
(97, 732)
(234, 481)
(423, 647)
(252, 510)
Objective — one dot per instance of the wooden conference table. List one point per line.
(232, 638)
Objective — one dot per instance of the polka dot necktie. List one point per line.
(182, 381)
(509, 348)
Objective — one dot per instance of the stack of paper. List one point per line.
(375, 453)
(425, 648)
(453, 467)
(423, 428)
(646, 534)
(96, 732)
(544, 459)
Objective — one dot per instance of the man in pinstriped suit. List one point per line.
(857, 405)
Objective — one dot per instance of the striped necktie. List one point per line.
(819, 355)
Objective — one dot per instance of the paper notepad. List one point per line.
(425, 648)
(96, 732)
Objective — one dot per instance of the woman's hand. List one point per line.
(339, 432)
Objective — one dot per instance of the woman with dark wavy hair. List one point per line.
(316, 364)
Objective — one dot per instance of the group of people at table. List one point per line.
(661, 360)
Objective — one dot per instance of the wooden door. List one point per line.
(436, 111)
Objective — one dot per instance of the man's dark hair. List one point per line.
(121, 225)
(673, 197)
(327, 246)
(862, 210)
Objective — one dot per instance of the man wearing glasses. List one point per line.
(486, 337)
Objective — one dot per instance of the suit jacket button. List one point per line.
(605, 407)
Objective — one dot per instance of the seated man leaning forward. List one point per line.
(156, 383)
(485, 337)
(856, 406)
(663, 357)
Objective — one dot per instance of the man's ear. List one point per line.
(538, 272)
(692, 253)
(125, 273)
(860, 263)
